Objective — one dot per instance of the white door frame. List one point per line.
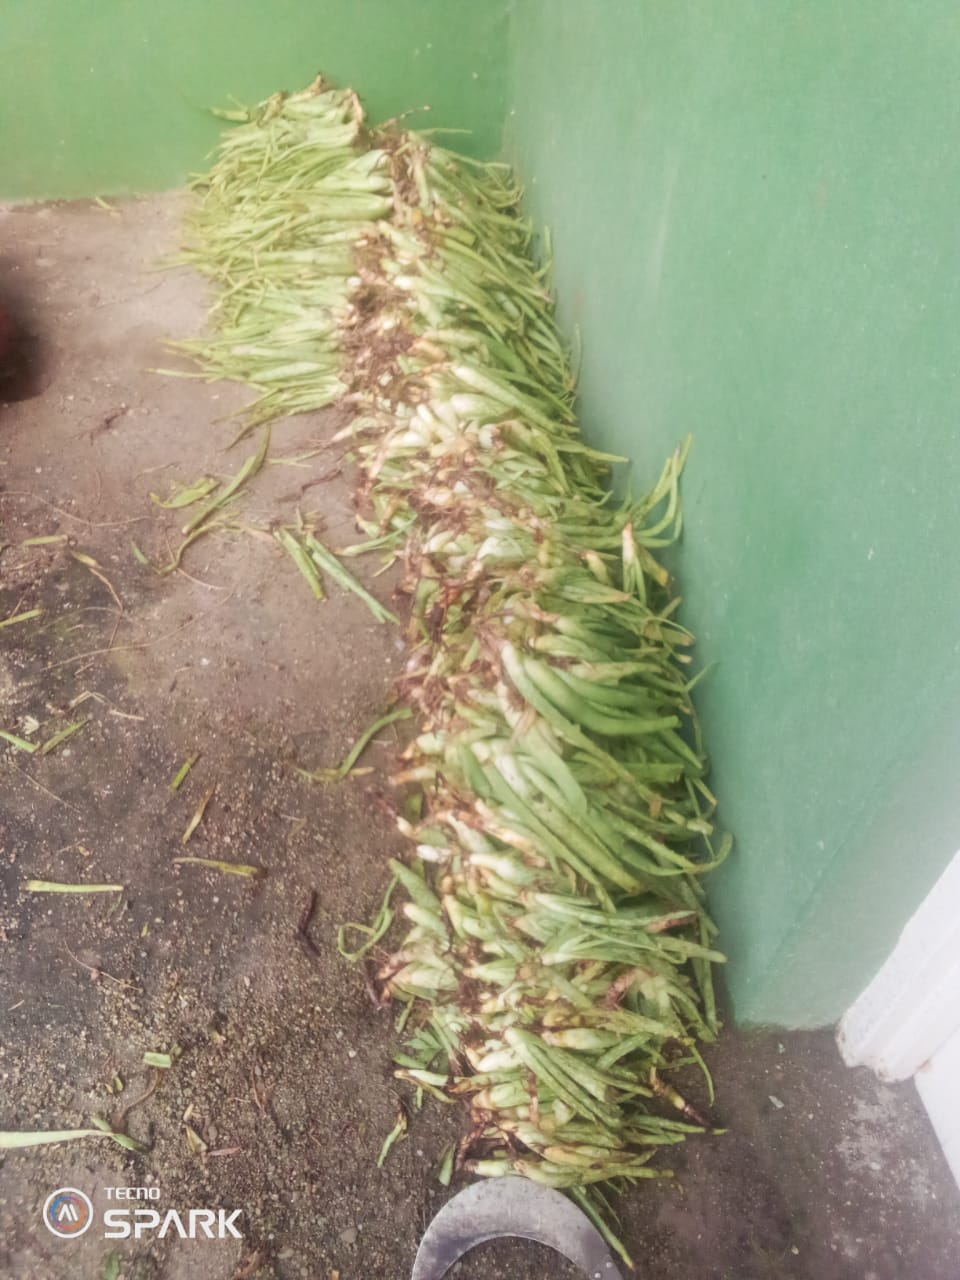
(907, 1022)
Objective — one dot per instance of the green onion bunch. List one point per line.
(556, 958)
(275, 227)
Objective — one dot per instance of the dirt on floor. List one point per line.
(282, 1093)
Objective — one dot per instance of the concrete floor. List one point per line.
(824, 1174)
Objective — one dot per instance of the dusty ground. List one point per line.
(285, 1062)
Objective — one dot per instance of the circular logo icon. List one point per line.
(67, 1212)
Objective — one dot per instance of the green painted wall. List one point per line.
(755, 216)
(108, 96)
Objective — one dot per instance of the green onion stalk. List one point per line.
(556, 956)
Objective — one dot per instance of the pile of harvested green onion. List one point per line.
(557, 959)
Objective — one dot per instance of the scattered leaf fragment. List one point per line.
(327, 561)
(229, 868)
(198, 815)
(195, 1144)
(445, 1171)
(97, 571)
(398, 1131)
(67, 732)
(11, 1140)
(52, 886)
(120, 1138)
(14, 1141)
(184, 769)
(303, 561)
(191, 537)
(21, 617)
(184, 495)
(249, 469)
(162, 1061)
(346, 766)
(115, 1085)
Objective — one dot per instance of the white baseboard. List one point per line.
(938, 1082)
(913, 1004)
(907, 1022)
